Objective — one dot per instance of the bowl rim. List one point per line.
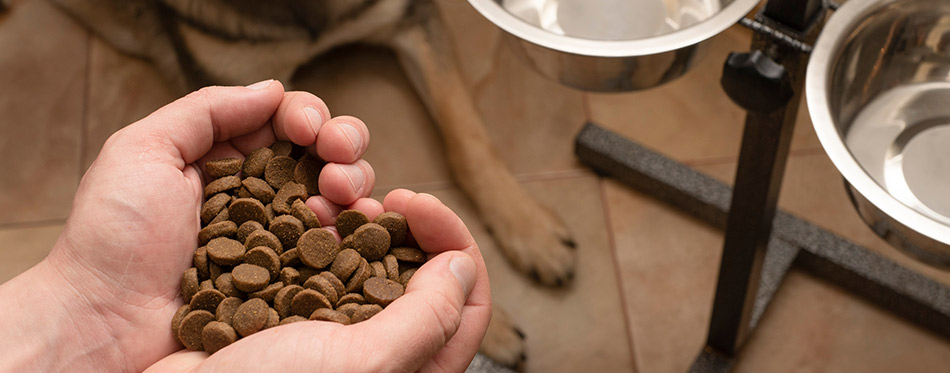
(818, 77)
(705, 29)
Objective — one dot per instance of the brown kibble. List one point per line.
(364, 312)
(303, 213)
(289, 258)
(284, 299)
(227, 308)
(267, 293)
(225, 251)
(287, 229)
(292, 319)
(348, 221)
(287, 194)
(307, 301)
(306, 273)
(250, 278)
(191, 326)
(371, 240)
(409, 254)
(222, 216)
(264, 238)
(250, 316)
(259, 189)
(406, 275)
(326, 314)
(206, 300)
(225, 284)
(345, 263)
(272, 319)
(307, 172)
(245, 209)
(362, 273)
(321, 284)
(206, 285)
(289, 276)
(223, 184)
(282, 148)
(317, 248)
(201, 262)
(217, 335)
(242, 192)
(215, 270)
(247, 228)
(265, 257)
(355, 298)
(382, 291)
(269, 212)
(348, 309)
(223, 167)
(395, 224)
(176, 320)
(255, 162)
(189, 283)
(225, 228)
(378, 269)
(279, 170)
(337, 284)
(213, 206)
(392, 267)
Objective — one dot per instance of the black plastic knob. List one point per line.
(756, 82)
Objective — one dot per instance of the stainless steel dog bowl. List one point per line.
(611, 45)
(878, 91)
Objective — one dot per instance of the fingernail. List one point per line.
(261, 84)
(464, 270)
(354, 174)
(353, 135)
(313, 118)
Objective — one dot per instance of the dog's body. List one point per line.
(200, 42)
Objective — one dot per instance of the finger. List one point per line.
(397, 199)
(326, 211)
(368, 206)
(300, 117)
(342, 139)
(423, 213)
(181, 361)
(343, 184)
(185, 130)
(259, 138)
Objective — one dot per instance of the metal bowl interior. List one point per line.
(878, 91)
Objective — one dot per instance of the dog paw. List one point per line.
(504, 341)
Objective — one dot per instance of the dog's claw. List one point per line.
(569, 242)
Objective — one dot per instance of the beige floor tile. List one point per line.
(815, 327)
(43, 57)
(25, 247)
(579, 328)
(122, 89)
(479, 36)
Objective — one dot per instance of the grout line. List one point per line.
(32, 224)
(611, 239)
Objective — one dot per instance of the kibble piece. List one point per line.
(317, 248)
(406, 275)
(247, 228)
(292, 319)
(223, 184)
(321, 284)
(225, 284)
(250, 316)
(223, 167)
(265, 257)
(348, 221)
(245, 209)
(227, 308)
(345, 263)
(176, 320)
(217, 335)
(371, 241)
(267, 293)
(225, 228)
(255, 162)
(362, 273)
(356, 298)
(348, 309)
(395, 224)
(250, 278)
(269, 212)
(284, 298)
(378, 269)
(364, 312)
(409, 254)
(242, 192)
(286, 195)
(201, 262)
(206, 285)
(289, 276)
(289, 258)
(264, 238)
(307, 301)
(392, 267)
(189, 283)
(191, 326)
(282, 148)
(215, 270)
(259, 189)
(225, 251)
(335, 281)
(382, 291)
(213, 206)
(307, 172)
(303, 213)
(287, 229)
(306, 273)
(326, 314)
(279, 170)
(272, 319)
(207, 300)
(222, 216)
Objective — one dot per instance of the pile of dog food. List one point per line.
(263, 259)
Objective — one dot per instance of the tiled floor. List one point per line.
(646, 272)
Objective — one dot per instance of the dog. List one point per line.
(194, 43)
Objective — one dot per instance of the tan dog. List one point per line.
(200, 42)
